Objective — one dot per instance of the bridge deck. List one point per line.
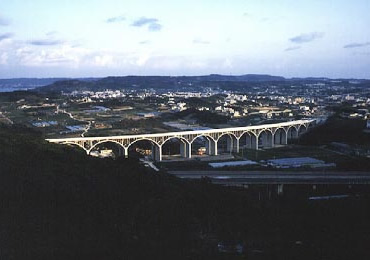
(183, 133)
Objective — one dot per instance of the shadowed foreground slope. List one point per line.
(58, 203)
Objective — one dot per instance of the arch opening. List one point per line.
(203, 145)
(248, 141)
(76, 145)
(302, 130)
(107, 149)
(176, 147)
(142, 148)
(227, 144)
(266, 139)
(292, 133)
(280, 137)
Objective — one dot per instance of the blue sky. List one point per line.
(91, 38)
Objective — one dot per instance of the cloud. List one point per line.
(356, 45)
(152, 23)
(155, 27)
(116, 19)
(4, 21)
(45, 42)
(309, 37)
(4, 59)
(51, 33)
(361, 53)
(63, 55)
(5, 36)
(292, 48)
(200, 41)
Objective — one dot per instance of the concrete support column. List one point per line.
(185, 149)
(188, 150)
(236, 145)
(292, 133)
(123, 152)
(208, 146)
(280, 189)
(284, 137)
(157, 153)
(212, 147)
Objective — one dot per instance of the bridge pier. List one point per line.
(123, 152)
(268, 135)
(236, 145)
(211, 147)
(185, 149)
(157, 153)
(284, 138)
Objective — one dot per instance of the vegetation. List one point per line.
(338, 129)
(202, 117)
(58, 203)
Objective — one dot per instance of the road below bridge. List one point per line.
(277, 177)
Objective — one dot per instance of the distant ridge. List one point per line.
(31, 83)
(137, 82)
(185, 83)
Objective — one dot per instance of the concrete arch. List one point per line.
(266, 138)
(142, 139)
(176, 137)
(227, 133)
(232, 143)
(280, 136)
(104, 141)
(210, 144)
(185, 146)
(156, 149)
(78, 145)
(300, 132)
(311, 124)
(265, 130)
(202, 135)
(292, 132)
(248, 140)
(248, 132)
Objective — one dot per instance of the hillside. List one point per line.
(58, 203)
(157, 82)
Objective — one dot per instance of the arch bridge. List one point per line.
(252, 137)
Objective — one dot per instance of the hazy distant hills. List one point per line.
(155, 82)
(30, 83)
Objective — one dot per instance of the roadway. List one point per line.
(277, 177)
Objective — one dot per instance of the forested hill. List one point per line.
(192, 83)
(157, 82)
(58, 203)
